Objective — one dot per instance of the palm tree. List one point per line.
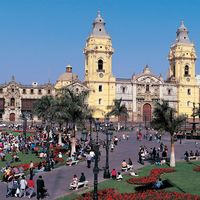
(74, 110)
(164, 118)
(118, 110)
(43, 108)
(61, 115)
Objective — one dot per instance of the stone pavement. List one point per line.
(58, 180)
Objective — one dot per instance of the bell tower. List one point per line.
(182, 58)
(98, 69)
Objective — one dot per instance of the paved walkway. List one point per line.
(57, 181)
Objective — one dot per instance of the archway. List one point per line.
(147, 112)
(12, 117)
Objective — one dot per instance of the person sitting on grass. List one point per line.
(158, 184)
(119, 177)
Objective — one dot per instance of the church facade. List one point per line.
(139, 92)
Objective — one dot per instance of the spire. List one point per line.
(146, 70)
(13, 78)
(182, 34)
(99, 26)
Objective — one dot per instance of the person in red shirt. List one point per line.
(113, 174)
(31, 185)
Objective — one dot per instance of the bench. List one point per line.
(82, 184)
(125, 169)
(79, 185)
(73, 162)
(191, 158)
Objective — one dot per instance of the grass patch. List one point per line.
(184, 180)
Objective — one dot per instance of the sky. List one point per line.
(38, 38)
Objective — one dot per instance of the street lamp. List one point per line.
(90, 120)
(48, 128)
(24, 126)
(145, 121)
(193, 118)
(108, 133)
(96, 171)
(97, 125)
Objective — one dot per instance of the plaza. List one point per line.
(62, 176)
(99, 100)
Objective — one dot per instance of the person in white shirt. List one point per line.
(60, 155)
(23, 184)
(119, 177)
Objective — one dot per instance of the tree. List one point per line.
(43, 108)
(74, 110)
(118, 110)
(164, 118)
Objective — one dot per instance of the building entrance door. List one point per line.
(147, 112)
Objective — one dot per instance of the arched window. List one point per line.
(123, 89)
(100, 101)
(100, 65)
(12, 102)
(186, 70)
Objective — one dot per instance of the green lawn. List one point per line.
(183, 180)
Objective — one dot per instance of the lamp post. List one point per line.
(48, 128)
(24, 126)
(48, 167)
(193, 119)
(96, 171)
(90, 120)
(97, 125)
(108, 139)
(145, 121)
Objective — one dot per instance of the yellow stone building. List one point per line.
(98, 69)
(182, 59)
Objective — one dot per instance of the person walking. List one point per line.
(31, 185)
(31, 167)
(40, 187)
(9, 188)
(23, 184)
(89, 159)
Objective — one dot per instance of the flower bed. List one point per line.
(58, 159)
(154, 175)
(112, 194)
(25, 166)
(197, 169)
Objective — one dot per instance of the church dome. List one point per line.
(68, 75)
(66, 78)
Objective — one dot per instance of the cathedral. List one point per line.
(138, 93)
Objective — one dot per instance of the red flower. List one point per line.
(197, 169)
(112, 194)
(154, 174)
